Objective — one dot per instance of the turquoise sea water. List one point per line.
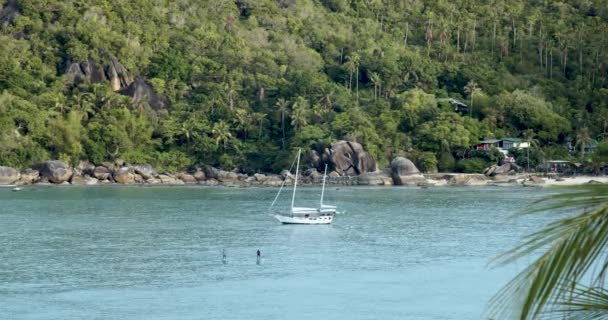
(156, 253)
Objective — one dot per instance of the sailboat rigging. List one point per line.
(303, 215)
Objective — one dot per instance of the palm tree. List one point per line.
(529, 137)
(60, 107)
(86, 104)
(567, 281)
(242, 121)
(221, 133)
(350, 66)
(583, 139)
(299, 116)
(282, 107)
(470, 89)
(353, 67)
(259, 118)
(326, 100)
(377, 81)
(230, 88)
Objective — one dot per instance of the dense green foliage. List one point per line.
(248, 80)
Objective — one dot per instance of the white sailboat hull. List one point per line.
(304, 219)
(302, 215)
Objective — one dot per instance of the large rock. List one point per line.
(287, 175)
(534, 180)
(84, 180)
(142, 92)
(375, 179)
(502, 170)
(211, 172)
(273, 181)
(78, 180)
(55, 171)
(411, 180)
(169, 179)
(403, 167)
(466, 179)
(210, 182)
(199, 176)
(260, 177)
(85, 168)
(90, 181)
(109, 165)
(153, 181)
(8, 11)
(227, 176)
(349, 158)
(117, 74)
(8, 175)
(144, 170)
(29, 176)
(404, 171)
(123, 176)
(138, 178)
(90, 71)
(187, 178)
(315, 176)
(102, 173)
(85, 71)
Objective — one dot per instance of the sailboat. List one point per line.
(324, 214)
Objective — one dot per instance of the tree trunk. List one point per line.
(528, 157)
(407, 30)
(474, 34)
(514, 28)
(547, 49)
(565, 60)
(357, 84)
(458, 39)
(521, 49)
(550, 64)
(471, 108)
(580, 60)
(494, 37)
(540, 55)
(283, 127)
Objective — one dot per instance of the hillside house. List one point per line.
(517, 143)
(488, 144)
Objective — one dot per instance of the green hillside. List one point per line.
(241, 83)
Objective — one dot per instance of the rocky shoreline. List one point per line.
(402, 172)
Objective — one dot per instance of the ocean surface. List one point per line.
(116, 252)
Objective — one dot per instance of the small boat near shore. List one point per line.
(324, 214)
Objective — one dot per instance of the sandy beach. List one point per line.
(574, 181)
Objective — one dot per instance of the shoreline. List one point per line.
(422, 181)
(52, 173)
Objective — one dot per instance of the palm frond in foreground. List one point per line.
(567, 280)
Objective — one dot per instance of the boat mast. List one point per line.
(323, 188)
(293, 197)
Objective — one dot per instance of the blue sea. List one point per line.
(112, 252)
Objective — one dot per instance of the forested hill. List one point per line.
(241, 83)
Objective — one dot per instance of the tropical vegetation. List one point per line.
(245, 81)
